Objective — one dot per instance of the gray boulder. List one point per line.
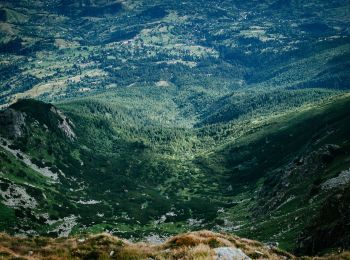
(229, 253)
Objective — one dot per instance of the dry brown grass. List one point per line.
(190, 246)
(251, 248)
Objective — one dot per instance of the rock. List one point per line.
(229, 253)
(12, 122)
(16, 196)
(65, 124)
(341, 180)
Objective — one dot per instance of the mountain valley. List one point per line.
(148, 119)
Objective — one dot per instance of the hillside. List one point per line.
(158, 181)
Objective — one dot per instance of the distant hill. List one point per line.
(206, 51)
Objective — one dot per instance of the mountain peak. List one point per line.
(29, 111)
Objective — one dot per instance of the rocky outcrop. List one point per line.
(16, 196)
(337, 182)
(330, 228)
(12, 123)
(19, 118)
(307, 167)
(25, 159)
(65, 124)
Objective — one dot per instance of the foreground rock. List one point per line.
(228, 253)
